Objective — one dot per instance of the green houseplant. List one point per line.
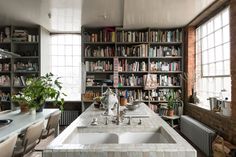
(40, 89)
(171, 101)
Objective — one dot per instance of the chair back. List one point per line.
(53, 120)
(7, 146)
(33, 133)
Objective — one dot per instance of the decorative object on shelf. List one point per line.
(40, 89)
(150, 81)
(109, 99)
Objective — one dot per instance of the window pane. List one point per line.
(226, 51)
(204, 30)
(219, 54)
(204, 57)
(66, 62)
(226, 34)
(210, 40)
(225, 17)
(218, 37)
(211, 55)
(219, 68)
(226, 68)
(217, 22)
(210, 27)
(212, 69)
(205, 70)
(204, 44)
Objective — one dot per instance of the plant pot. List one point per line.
(170, 112)
(33, 111)
(24, 107)
(41, 108)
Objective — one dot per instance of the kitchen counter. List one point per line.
(67, 143)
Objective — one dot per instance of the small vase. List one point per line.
(33, 111)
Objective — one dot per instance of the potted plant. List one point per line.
(40, 89)
(171, 100)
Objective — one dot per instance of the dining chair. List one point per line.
(52, 124)
(7, 146)
(31, 138)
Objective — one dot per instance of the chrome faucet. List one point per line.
(118, 113)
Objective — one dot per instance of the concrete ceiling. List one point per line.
(69, 15)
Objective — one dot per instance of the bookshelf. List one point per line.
(24, 41)
(155, 51)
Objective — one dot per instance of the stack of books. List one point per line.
(130, 80)
(99, 51)
(164, 51)
(166, 36)
(132, 36)
(133, 67)
(98, 66)
(164, 66)
(133, 51)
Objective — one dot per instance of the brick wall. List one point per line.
(224, 126)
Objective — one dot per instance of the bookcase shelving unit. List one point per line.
(139, 47)
(24, 41)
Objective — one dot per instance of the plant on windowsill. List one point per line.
(40, 89)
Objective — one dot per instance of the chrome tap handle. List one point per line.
(129, 121)
(106, 122)
(140, 122)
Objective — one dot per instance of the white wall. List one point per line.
(45, 51)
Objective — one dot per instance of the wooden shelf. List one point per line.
(165, 43)
(99, 72)
(26, 72)
(99, 43)
(27, 57)
(5, 86)
(165, 72)
(24, 42)
(140, 58)
(131, 43)
(167, 57)
(96, 58)
(133, 72)
(5, 43)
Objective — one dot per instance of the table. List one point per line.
(21, 121)
(171, 119)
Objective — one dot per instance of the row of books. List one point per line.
(135, 50)
(164, 51)
(153, 107)
(130, 80)
(98, 66)
(166, 36)
(160, 95)
(107, 51)
(165, 66)
(90, 95)
(135, 66)
(21, 35)
(20, 66)
(19, 81)
(165, 80)
(4, 96)
(137, 94)
(5, 67)
(105, 35)
(5, 80)
(132, 36)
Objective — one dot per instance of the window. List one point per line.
(65, 59)
(213, 58)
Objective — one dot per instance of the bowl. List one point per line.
(133, 106)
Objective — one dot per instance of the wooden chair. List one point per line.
(30, 140)
(52, 124)
(7, 146)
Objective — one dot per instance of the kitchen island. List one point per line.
(149, 136)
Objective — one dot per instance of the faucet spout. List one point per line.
(118, 114)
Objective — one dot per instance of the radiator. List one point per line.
(201, 135)
(68, 116)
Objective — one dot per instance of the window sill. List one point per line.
(220, 114)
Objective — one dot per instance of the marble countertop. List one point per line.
(152, 123)
(21, 121)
